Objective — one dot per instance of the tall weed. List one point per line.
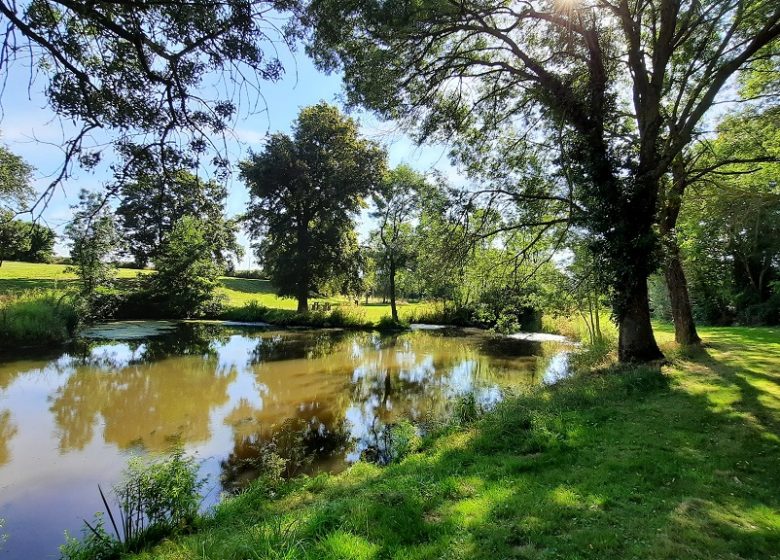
(37, 318)
(156, 499)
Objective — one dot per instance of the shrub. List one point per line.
(156, 499)
(95, 543)
(346, 316)
(187, 275)
(387, 324)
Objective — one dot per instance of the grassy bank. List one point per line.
(36, 318)
(244, 298)
(672, 462)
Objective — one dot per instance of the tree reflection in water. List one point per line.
(7, 431)
(149, 395)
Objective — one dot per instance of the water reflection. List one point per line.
(7, 431)
(319, 399)
(139, 405)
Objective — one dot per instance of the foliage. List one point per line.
(25, 241)
(15, 189)
(306, 190)
(156, 499)
(95, 543)
(556, 108)
(151, 205)
(388, 324)
(730, 231)
(94, 240)
(396, 204)
(345, 316)
(37, 318)
(164, 79)
(187, 271)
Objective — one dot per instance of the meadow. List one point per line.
(17, 278)
(659, 461)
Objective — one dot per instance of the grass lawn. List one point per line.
(681, 461)
(18, 277)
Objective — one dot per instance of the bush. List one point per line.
(37, 318)
(249, 274)
(156, 499)
(387, 324)
(187, 275)
(95, 543)
(345, 316)
(442, 314)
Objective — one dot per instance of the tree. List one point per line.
(396, 205)
(25, 241)
(187, 271)
(729, 228)
(15, 192)
(151, 205)
(15, 173)
(306, 190)
(140, 70)
(619, 88)
(94, 239)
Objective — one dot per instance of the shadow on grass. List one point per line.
(627, 463)
(16, 285)
(248, 285)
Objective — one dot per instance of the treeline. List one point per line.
(430, 241)
(25, 241)
(729, 226)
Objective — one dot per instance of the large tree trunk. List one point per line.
(393, 308)
(676, 283)
(682, 315)
(303, 302)
(636, 342)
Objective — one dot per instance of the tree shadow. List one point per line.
(679, 462)
(248, 285)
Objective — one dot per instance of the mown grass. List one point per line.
(17, 278)
(673, 461)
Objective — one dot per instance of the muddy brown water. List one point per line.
(70, 420)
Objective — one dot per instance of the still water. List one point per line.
(71, 420)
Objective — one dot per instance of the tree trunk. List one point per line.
(676, 283)
(636, 342)
(393, 308)
(303, 302)
(682, 315)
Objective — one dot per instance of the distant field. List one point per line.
(18, 277)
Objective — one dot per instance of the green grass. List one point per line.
(679, 461)
(241, 291)
(36, 318)
(17, 278)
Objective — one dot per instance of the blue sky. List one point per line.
(30, 129)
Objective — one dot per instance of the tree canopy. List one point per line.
(152, 204)
(164, 79)
(306, 190)
(618, 90)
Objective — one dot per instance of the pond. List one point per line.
(71, 420)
